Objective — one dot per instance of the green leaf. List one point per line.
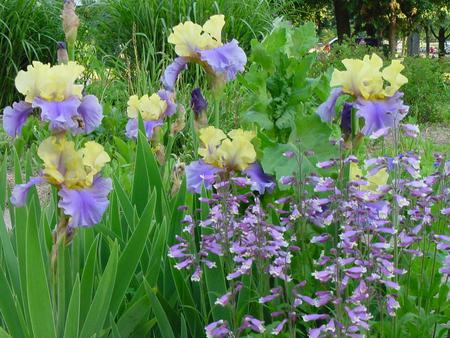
(39, 303)
(260, 118)
(100, 304)
(87, 280)
(133, 316)
(130, 256)
(302, 39)
(73, 312)
(275, 163)
(161, 317)
(9, 255)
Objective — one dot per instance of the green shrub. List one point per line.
(28, 31)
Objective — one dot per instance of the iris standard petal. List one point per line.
(228, 59)
(15, 117)
(380, 114)
(198, 173)
(61, 114)
(326, 110)
(260, 180)
(20, 192)
(86, 206)
(170, 76)
(91, 112)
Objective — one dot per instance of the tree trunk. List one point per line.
(413, 44)
(441, 41)
(342, 17)
(427, 40)
(393, 34)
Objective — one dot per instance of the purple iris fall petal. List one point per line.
(326, 110)
(131, 129)
(381, 113)
(86, 206)
(171, 105)
(20, 192)
(91, 112)
(198, 173)
(15, 117)
(260, 180)
(228, 59)
(60, 114)
(198, 102)
(170, 76)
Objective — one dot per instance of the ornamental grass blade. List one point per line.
(39, 303)
(99, 308)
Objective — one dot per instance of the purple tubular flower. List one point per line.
(252, 323)
(277, 330)
(86, 206)
(170, 76)
(228, 59)
(59, 114)
(131, 129)
(198, 173)
(382, 113)
(217, 329)
(91, 112)
(171, 105)
(315, 316)
(260, 180)
(20, 192)
(198, 102)
(15, 117)
(326, 110)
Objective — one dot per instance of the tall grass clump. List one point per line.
(28, 30)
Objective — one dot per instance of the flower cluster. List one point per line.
(375, 92)
(153, 109)
(226, 154)
(52, 89)
(203, 45)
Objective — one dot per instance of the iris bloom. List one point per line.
(221, 153)
(83, 193)
(375, 91)
(153, 109)
(53, 90)
(203, 45)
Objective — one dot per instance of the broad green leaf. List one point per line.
(303, 38)
(73, 312)
(133, 316)
(87, 281)
(130, 256)
(39, 303)
(99, 308)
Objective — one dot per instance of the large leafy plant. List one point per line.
(282, 98)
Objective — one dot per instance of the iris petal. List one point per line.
(260, 180)
(20, 192)
(15, 117)
(198, 173)
(326, 110)
(60, 114)
(91, 112)
(86, 206)
(170, 76)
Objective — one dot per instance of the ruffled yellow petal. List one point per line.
(50, 152)
(214, 26)
(246, 135)
(236, 154)
(133, 107)
(187, 37)
(50, 83)
(152, 107)
(393, 76)
(211, 138)
(94, 159)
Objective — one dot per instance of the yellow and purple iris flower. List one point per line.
(83, 193)
(375, 91)
(203, 45)
(221, 153)
(52, 89)
(153, 109)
